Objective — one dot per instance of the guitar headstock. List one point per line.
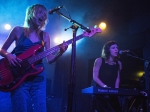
(93, 31)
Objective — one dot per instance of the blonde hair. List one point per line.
(31, 10)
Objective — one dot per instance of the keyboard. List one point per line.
(111, 91)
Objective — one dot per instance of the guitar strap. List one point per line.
(41, 38)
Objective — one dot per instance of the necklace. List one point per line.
(111, 62)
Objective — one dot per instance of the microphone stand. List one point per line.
(71, 83)
(147, 70)
(74, 22)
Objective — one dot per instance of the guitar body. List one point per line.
(12, 77)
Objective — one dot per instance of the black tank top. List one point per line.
(108, 73)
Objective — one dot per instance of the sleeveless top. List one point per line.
(108, 73)
(25, 44)
(22, 46)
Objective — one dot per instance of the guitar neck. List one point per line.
(43, 54)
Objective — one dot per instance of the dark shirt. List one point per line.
(108, 73)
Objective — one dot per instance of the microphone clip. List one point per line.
(72, 27)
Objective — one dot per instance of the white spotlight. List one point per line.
(7, 26)
(57, 40)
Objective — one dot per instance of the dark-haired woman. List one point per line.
(106, 74)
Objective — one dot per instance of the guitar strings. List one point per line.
(51, 49)
(26, 62)
(6, 70)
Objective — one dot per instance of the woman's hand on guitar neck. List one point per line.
(13, 60)
(63, 47)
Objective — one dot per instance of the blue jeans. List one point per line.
(5, 102)
(30, 96)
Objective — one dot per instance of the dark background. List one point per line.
(127, 23)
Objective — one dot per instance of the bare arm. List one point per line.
(97, 65)
(13, 36)
(118, 77)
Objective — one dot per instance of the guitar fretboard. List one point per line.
(43, 54)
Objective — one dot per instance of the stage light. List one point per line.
(102, 25)
(140, 73)
(66, 37)
(7, 26)
(57, 40)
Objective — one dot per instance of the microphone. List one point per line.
(143, 93)
(55, 9)
(123, 51)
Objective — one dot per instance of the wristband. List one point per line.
(105, 86)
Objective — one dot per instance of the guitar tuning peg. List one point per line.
(95, 26)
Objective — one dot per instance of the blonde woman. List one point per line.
(31, 94)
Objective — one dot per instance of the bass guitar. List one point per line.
(12, 77)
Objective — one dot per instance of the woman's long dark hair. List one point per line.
(106, 49)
